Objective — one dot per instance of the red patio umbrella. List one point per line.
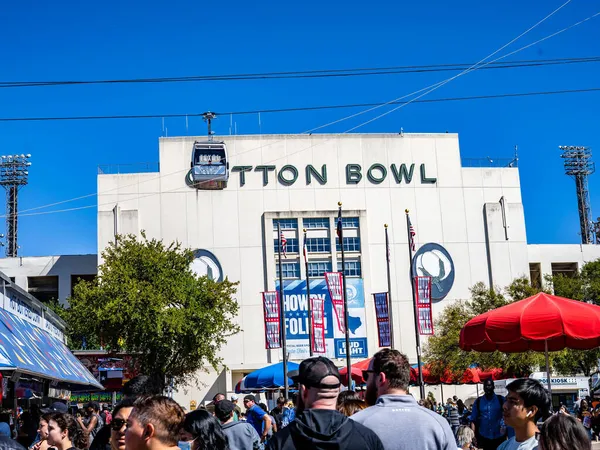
(541, 323)
(358, 367)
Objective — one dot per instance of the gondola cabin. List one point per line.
(210, 167)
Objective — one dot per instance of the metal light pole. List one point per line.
(340, 231)
(389, 285)
(13, 175)
(282, 327)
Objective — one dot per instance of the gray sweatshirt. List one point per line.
(241, 436)
(402, 424)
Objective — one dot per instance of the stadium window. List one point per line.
(318, 268)
(316, 222)
(351, 244)
(286, 224)
(290, 269)
(353, 268)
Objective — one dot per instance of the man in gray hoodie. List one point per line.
(395, 416)
(240, 435)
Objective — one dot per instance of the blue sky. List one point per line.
(65, 40)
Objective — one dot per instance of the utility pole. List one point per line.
(14, 174)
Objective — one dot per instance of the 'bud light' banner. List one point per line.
(272, 324)
(424, 313)
(335, 285)
(383, 319)
(295, 309)
(317, 306)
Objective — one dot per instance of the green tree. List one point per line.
(147, 301)
(583, 285)
(442, 351)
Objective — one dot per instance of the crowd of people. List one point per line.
(322, 416)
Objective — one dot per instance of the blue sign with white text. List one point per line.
(295, 303)
(358, 348)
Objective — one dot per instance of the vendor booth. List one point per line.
(36, 367)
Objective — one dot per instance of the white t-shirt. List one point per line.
(512, 444)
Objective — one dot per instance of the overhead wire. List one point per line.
(436, 84)
(480, 64)
(324, 73)
(304, 108)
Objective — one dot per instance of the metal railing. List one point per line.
(489, 162)
(112, 169)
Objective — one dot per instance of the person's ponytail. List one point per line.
(80, 438)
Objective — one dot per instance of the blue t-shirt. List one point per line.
(254, 416)
(487, 415)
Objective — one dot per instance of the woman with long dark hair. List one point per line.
(64, 433)
(203, 432)
(563, 432)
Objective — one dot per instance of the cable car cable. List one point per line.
(326, 73)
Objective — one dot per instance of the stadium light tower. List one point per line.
(578, 164)
(14, 172)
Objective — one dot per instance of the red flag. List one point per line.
(283, 244)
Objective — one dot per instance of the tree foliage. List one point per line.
(442, 351)
(147, 301)
(583, 285)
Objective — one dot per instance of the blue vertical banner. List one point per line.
(295, 303)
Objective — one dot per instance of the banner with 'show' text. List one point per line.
(383, 319)
(335, 284)
(424, 312)
(317, 306)
(295, 309)
(272, 319)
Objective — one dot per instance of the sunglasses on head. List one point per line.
(117, 424)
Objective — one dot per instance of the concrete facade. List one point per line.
(24, 270)
(476, 214)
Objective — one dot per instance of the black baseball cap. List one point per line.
(223, 410)
(312, 371)
(56, 407)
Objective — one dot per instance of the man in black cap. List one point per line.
(56, 407)
(240, 435)
(318, 425)
(257, 417)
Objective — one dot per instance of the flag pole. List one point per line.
(310, 329)
(389, 283)
(340, 230)
(414, 297)
(282, 330)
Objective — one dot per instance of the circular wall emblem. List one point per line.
(433, 260)
(206, 263)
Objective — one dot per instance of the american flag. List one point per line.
(283, 244)
(339, 223)
(305, 250)
(412, 234)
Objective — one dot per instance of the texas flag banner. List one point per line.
(272, 319)
(424, 312)
(317, 305)
(336, 291)
(383, 318)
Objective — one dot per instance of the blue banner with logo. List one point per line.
(295, 303)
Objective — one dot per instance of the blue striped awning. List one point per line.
(29, 349)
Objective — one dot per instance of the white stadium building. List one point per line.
(469, 225)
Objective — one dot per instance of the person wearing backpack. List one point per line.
(240, 435)
(486, 418)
